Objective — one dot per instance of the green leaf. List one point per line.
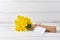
(28, 26)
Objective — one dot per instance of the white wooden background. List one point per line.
(37, 10)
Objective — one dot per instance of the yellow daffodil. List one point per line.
(22, 23)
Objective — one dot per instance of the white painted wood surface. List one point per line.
(7, 32)
(28, 36)
(37, 10)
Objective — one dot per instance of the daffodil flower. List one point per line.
(22, 23)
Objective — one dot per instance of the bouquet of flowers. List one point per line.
(22, 23)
